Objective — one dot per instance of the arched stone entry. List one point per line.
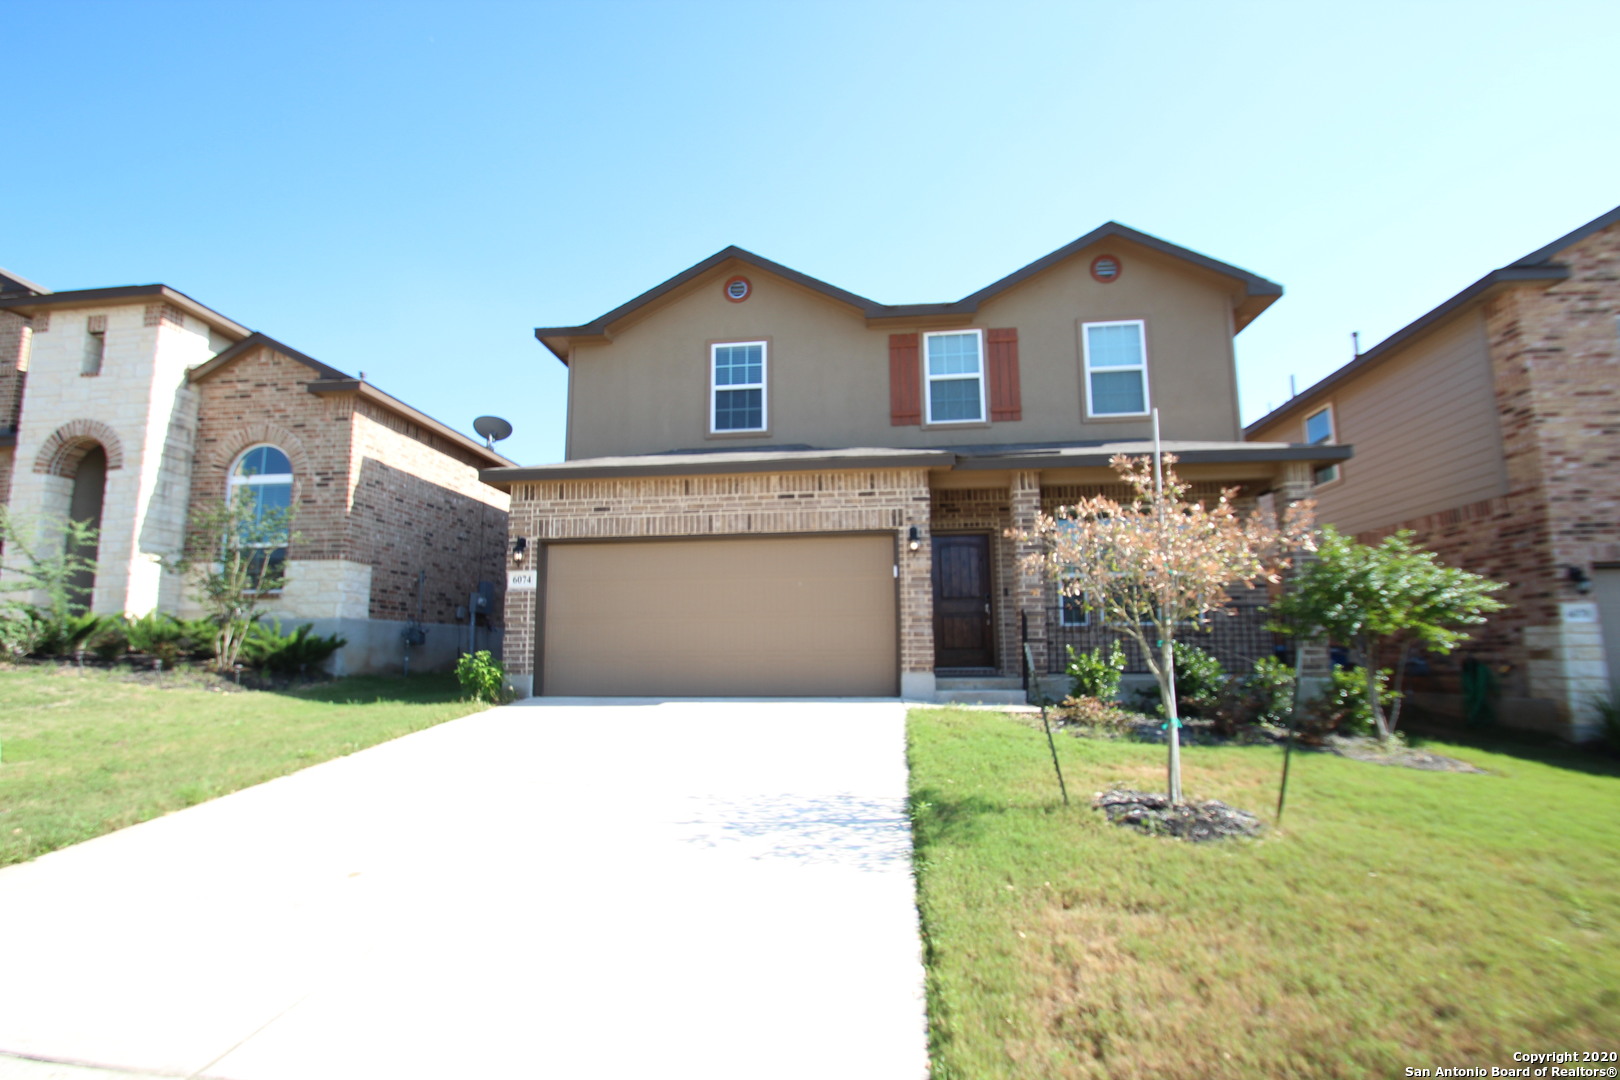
(89, 495)
(60, 454)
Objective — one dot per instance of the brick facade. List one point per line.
(1553, 351)
(381, 494)
(380, 502)
(755, 504)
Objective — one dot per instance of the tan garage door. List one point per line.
(797, 616)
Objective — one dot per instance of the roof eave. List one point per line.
(328, 387)
(125, 294)
(717, 465)
(1487, 286)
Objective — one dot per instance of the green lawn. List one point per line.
(1398, 918)
(84, 754)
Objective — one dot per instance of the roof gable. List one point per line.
(1538, 266)
(1258, 292)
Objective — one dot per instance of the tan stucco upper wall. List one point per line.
(827, 379)
(1425, 429)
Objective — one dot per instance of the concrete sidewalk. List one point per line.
(551, 889)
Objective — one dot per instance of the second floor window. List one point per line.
(1116, 368)
(1319, 430)
(955, 377)
(737, 386)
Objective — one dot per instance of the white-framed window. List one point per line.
(265, 474)
(954, 365)
(737, 386)
(1072, 610)
(1116, 368)
(1319, 430)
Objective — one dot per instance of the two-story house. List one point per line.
(1488, 427)
(127, 408)
(774, 486)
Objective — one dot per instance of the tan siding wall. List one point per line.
(1424, 428)
(827, 379)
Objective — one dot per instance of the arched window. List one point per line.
(263, 476)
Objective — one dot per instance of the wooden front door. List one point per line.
(963, 636)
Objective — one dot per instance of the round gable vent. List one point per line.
(1105, 268)
(737, 289)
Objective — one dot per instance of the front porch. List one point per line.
(988, 607)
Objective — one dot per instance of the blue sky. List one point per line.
(409, 189)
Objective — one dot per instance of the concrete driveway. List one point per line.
(551, 889)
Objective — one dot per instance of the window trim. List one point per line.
(1332, 439)
(1085, 351)
(761, 386)
(929, 379)
(232, 482)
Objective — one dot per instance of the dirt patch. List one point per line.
(1158, 816)
(1362, 748)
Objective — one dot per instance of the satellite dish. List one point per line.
(492, 428)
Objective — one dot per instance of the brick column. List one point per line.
(521, 623)
(1315, 666)
(1029, 588)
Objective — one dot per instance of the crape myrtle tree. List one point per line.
(1369, 598)
(236, 555)
(1161, 562)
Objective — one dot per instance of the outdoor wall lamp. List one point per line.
(520, 546)
(913, 539)
(1577, 577)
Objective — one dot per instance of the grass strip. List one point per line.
(1398, 919)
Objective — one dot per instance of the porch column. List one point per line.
(1029, 583)
(1294, 485)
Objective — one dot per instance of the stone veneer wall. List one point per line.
(759, 504)
(140, 409)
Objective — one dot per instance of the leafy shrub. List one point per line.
(1608, 710)
(481, 676)
(1097, 715)
(160, 636)
(1092, 675)
(1342, 705)
(1200, 683)
(1264, 696)
(19, 632)
(297, 653)
(63, 636)
(110, 642)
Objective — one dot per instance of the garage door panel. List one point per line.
(769, 617)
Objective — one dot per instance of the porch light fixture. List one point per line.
(913, 540)
(520, 546)
(1578, 578)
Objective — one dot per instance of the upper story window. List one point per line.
(1116, 368)
(264, 475)
(737, 386)
(955, 367)
(1319, 430)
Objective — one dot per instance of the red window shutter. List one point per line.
(905, 391)
(1005, 403)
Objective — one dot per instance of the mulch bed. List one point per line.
(1158, 816)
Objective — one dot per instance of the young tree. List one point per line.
(1162, 561)
(235, 552)
(46, 559)
(1396, 593)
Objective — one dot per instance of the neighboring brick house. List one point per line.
(130, 407)
(774, 486)
(1488, 427)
